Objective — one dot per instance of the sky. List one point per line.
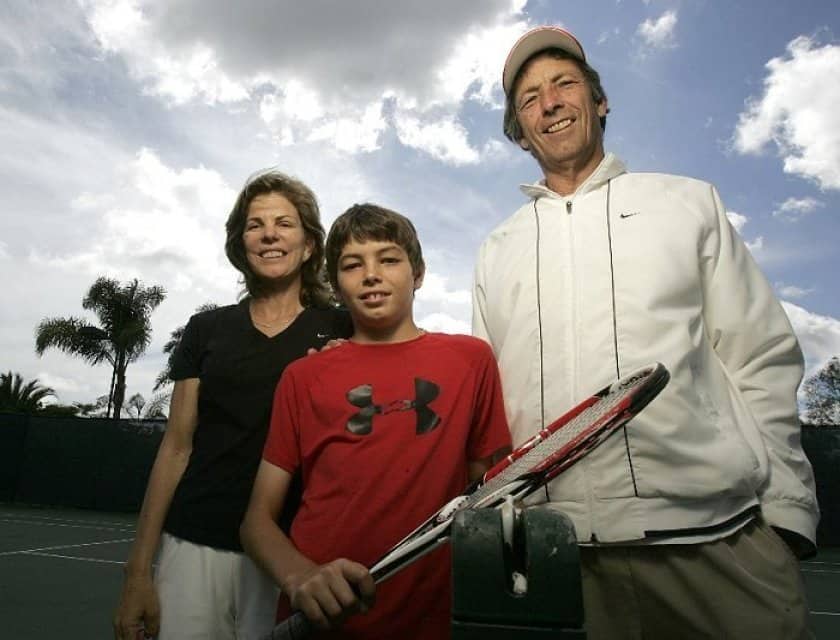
(127, 128)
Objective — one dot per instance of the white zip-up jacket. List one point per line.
(574, 291)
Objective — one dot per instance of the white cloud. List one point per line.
(756, 247)
(429, 58)
(795, 208)
(818, 335)
(436, 289)
(659, 33)
(159, 221)
(354, 134)
(444, 139)
(737, 220)
(443, 323)
(60, 384)
(789, 291)
(798, 113)
(608, 35)
(192, 72)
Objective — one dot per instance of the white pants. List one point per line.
(211, 594)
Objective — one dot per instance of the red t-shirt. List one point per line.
(382, 435)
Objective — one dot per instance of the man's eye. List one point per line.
(527, 102)
(347, 266)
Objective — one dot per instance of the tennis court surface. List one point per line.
(61, 570)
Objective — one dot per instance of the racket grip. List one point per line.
(295, 627)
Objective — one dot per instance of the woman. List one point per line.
(225, 370)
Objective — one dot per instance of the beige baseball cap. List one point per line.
(536, 40)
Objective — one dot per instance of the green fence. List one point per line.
(822, 444)
(104, 464)
(76, 462)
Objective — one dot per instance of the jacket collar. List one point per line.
(610, 167)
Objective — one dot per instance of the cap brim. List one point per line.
(534, 41)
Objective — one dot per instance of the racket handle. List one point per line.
(295, 627)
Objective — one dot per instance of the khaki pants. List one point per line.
(746, 587)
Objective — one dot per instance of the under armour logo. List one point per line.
(362, 396)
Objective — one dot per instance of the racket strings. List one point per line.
(589, 419)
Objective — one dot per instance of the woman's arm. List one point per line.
(139, 607)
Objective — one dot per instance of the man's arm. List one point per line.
(752, 336)
(327, 594)
(139, 607)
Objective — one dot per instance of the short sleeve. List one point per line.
(490, 430)
(185, 360)
(282, 446)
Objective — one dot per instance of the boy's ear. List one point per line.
(418, 278)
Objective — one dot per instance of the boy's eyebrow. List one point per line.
(390, 247)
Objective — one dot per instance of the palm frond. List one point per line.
(74, 336)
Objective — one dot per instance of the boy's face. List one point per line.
(376, 282)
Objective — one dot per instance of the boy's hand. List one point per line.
(332, 344)
(332, 592)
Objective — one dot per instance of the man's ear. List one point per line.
(603, 108)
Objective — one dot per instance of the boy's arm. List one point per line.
(477, 468)
(326, 594)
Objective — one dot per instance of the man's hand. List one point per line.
(332, 344)
(332, 592)
(138, 613)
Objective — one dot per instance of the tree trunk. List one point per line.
(111, 391)
(119, 389)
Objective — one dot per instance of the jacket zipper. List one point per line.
(589, 489)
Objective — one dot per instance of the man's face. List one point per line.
(559, 118)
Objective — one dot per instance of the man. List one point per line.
(681, 517)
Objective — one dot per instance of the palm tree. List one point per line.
(17, 397)
(139, 409)
(125, 330)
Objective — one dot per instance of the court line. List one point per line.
(820, 570)
(62, 546)
(35, 516)
(55, 555)
(42, 523)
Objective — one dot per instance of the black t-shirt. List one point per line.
(239, 368)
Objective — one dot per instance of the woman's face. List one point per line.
(275, 241)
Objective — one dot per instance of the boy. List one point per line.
(385, 430)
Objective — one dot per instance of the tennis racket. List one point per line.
(547, 454)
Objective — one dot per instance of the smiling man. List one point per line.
(687, 519)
